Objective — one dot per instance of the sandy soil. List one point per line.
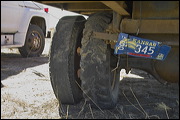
(27, 93)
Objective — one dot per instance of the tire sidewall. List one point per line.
(96, 67)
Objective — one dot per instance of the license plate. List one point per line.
(139, 47)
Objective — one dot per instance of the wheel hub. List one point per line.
(35, 42)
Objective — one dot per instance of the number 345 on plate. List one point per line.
(140, 47)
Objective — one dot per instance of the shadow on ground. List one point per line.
(17, 63)
(139, 98)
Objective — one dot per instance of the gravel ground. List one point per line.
(27, 93)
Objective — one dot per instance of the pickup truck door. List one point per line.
(11, 16)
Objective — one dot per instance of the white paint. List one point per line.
(55, 14)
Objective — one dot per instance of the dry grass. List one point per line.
(90, 113)
(121, 112)
(19, 109)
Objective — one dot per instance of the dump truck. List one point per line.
(87, 55)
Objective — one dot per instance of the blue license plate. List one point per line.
(140, 47)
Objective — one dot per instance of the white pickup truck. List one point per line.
(24, 25)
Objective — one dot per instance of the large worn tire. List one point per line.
(65, 61)
(97, 62)
(34, 43)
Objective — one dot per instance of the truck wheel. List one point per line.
(34, 43)
(99, 83)
(65, 60)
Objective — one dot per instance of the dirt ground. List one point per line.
(27, 93)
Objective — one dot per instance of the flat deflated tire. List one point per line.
(65, 60)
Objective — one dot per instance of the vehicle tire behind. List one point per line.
(99, 83)
(65, 61)
(34, 43)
